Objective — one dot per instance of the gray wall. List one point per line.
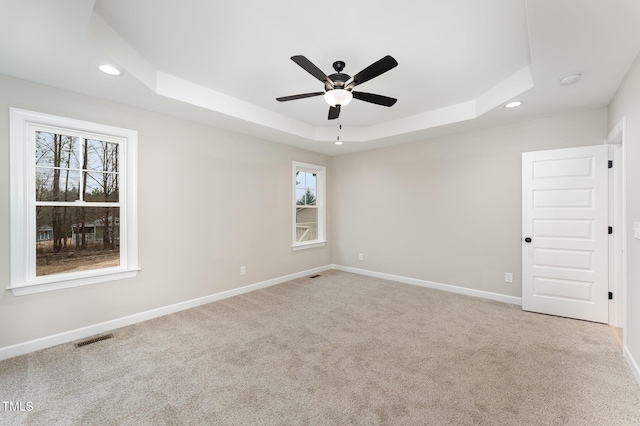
(626, 103)
(209, 202)
(446, 210)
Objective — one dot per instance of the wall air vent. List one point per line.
(94, 340)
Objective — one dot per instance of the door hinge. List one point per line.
(610, 295)
(610, 230)
(611, 164)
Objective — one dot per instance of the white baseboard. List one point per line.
(633, 365)
(430, 284)
(80, 333)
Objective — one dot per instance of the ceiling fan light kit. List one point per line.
(338, 87)
(336, 97)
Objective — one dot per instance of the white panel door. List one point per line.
(565, 232)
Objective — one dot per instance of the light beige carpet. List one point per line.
(335, 350)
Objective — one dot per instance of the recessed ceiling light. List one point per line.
(338, 143)
(513, 104)
(570, 79)
(108, 69)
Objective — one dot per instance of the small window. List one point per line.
(308, 205)
(73, 207)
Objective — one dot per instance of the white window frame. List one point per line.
(23, 125)
(320, 172)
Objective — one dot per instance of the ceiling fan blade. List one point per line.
(301, 96)
(373, 70)
(375, 99)
(334, 112)
(309, 67)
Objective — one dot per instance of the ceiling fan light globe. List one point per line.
(340, 97)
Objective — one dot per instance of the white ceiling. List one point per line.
(224, 63)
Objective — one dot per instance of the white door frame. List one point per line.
(618, 246)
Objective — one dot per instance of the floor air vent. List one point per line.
(94, 340)
(315, 276)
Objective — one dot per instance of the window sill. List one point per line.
(311, 244)
(73, 281)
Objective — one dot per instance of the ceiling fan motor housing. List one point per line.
(339, 79)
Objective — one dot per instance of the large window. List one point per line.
(308, 205)
(73, 207)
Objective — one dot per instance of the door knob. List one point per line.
(527, 240)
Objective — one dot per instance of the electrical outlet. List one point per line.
(243, 270)
(360, 256)
(508, 277)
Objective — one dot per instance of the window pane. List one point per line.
(311, 181)
(57, 184)
(306, 224)
(70, 239)
(101, 156)
(305, 180)
(300, 180)
(54, 150)
(306, 185)
(101, 187)
(305, 197)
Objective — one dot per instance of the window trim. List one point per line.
(320, 172)
(22, 201)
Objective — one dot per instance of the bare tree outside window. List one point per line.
(77, 203)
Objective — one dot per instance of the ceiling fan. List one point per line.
(339, 87)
